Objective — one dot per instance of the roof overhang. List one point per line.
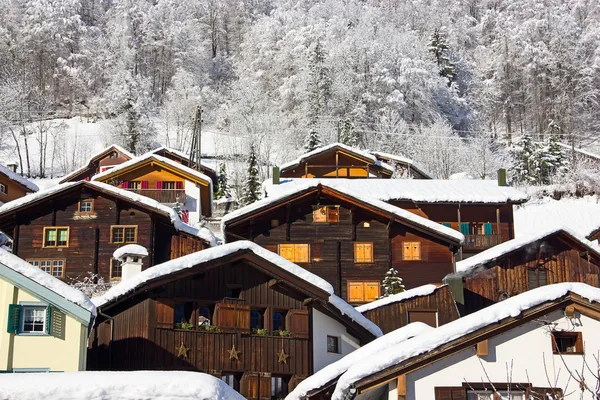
(94, 159)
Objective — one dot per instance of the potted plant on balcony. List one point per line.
(259, 332)
(282, 333)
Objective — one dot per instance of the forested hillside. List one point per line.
(461, 86)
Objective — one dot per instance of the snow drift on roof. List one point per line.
(300, 185)
(18, 178)
(424, 290)
(81, 169)
(418, 190)
(471, 264)
(48, 281)
(98, 385)
(435, 338)
(332, 371)
(191, 260)
(349, 149)
(130, 249)
(402, 160)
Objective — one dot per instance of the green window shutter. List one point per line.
(57, 324)
(48, 319)
(487, 229)
(14, 318)
(464, 228)
(447, 224)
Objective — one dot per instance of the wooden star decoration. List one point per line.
(234, 354)
(182, 351)
(282, 357)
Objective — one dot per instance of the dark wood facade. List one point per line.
(89, 246)
(241, 340)
(109, 157)
(554, 259)
(439, 305)
(332, 251)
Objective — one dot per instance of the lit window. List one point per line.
(294, 252)
(326, 214)
(411, 251)
(363, 252)
(56, 237)
(86, 206)
(123, 234)
(333, 344)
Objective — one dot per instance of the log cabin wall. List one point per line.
(519, 272)
(396, 315)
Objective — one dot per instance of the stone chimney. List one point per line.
(130, 257)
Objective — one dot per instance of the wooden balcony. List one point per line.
(481, 242)
(162, 195)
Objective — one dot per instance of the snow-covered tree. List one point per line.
(348, 134)
(392, 283)
(439, 47)
(313, 141)
(224, 190)
(524, 153)
(251, 192)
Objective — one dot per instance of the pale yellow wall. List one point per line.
(39, 351)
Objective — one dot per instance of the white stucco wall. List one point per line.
(192, 201)
(525, 347)
(324, 326)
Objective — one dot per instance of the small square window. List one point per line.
(326, 214)
(57, 268)
(411, 251)
(129, 235)
(333, 344)
(34, 319)
(86, 206)
(3, 189)
(567, 343)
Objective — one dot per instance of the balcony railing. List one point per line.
(162, 195)
(477, 242)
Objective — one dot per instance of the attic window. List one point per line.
(326, 214)
(86, 206)
(3, 189)
(567, 343)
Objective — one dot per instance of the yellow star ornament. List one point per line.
(234, 354)
(282, 357)
(182, 351)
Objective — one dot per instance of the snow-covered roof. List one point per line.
(207, 255)
(97, 385)
(182, 155)
(300, 185)
(48, 281)
(472, 264)
(417, 190)
(130, 249)
(424, 290)
(80, 170)
(202, 233)
(433, 339)
(402, 160)
(342, 146)
(32, 187)
(334, 370)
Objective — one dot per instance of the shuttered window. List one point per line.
(326, 214)
(450, 393)
(294, 252)
(425, 316)
(464, 228)
(488, 229)
(411, 251)
(363, 252)
(361, 292)
(536, 277)
(35, 319)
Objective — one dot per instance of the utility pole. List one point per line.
(339, 129)
(196, 155)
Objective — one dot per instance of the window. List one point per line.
(278, 321)
(465, 228)
(333, 344)
(3, 189)
(279, 387)
(55, 268)
(256, 319)
(168, 185)
(34, 319)
(363, 252)
(360, 292)
(326, 214)
(56, 237)
(232, 380)
(134, 185)
(204, 315)
(294, 252)
(490, 395)
(426, 316)
(411, 251)
(567, 343)
(86, 206)
(116, 269)
(123, 234)
(233, 291)
(536, 277)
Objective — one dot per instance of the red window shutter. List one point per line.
(185, 216)
(125, 185)
(144, 184)
(158, 184)
(178, 185)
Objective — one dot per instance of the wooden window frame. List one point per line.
(51, 260)
(112, 227)
(363, 300)
(338, 346)
(364, 261)
(404, 244)
(293, 246)
(3, 189)
(56, 228)
(112, 265)
(327, 220)
(578, 342)
(92, 210)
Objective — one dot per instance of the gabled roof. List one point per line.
(18, 179)
(302, 187)
(140, 201)
(401, 160)
(45, 287)
(465, 332)
(339, 146)
(181, 155)
(417, 190)
(96, 157)
(491, 256)
(424, 290)
(273, 263)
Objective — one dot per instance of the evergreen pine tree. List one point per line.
(348, 134)
(439, 47)
(313, 141)
(251, 191)
(559, 163)
(392, 283)
(224, 189)
(319, 85)
(524, 158)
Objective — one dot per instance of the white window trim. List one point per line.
(24, 304)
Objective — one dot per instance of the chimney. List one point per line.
(502, 177)
(276, 176)
(130, 257)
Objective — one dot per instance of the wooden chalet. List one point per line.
(182, 158)
(73, 229)
(336, 161)
(517, 349)
(594, 235)
(481, 210)
(13, 186)
(523, 264)
(405, 168)
(347, 239)
(108, 158)
(430, 304)
(237, 311)
(165, 181)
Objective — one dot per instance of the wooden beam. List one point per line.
(482, 348)
(401, 387)
(499, 233)
(288, 222)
